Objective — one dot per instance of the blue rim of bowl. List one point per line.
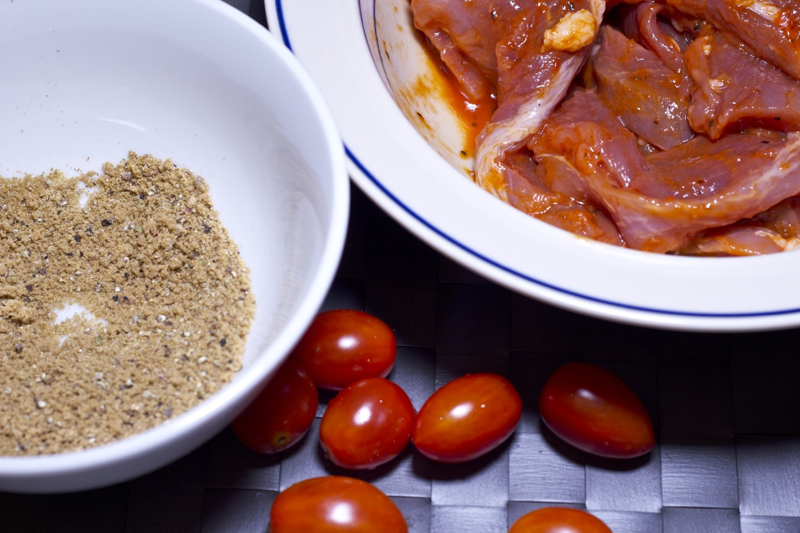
(284, 36)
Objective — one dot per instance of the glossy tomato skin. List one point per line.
(344, 345)
(559, 520)
(282, 413)
(467, 418)
(368, 423)
(595, 411)
(335, 503)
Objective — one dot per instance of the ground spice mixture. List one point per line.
(123, 303)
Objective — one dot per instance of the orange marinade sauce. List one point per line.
(473, 114)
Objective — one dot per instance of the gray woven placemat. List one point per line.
(726, 409)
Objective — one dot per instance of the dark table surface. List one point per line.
(726, 408)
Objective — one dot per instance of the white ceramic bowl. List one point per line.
(85, 81)
(376, 77)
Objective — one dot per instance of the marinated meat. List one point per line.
(661, 200)
(552, 190)
(770, 29)
(774, 230)
(734, 90)
(641, 90)
(642, 24)
(533, 78)
(465, 34)
(666, 127)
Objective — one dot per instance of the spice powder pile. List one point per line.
(160, 304)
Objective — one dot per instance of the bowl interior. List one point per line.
(418, 85)
(202, 84)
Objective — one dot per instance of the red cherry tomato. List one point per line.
(345, 345)
(333, 503)
(367, 424)
(282, 412)
(559, 520)
(595, 411)
(467, 418)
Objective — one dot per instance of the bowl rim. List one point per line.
(362, 164)
(29, 469)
